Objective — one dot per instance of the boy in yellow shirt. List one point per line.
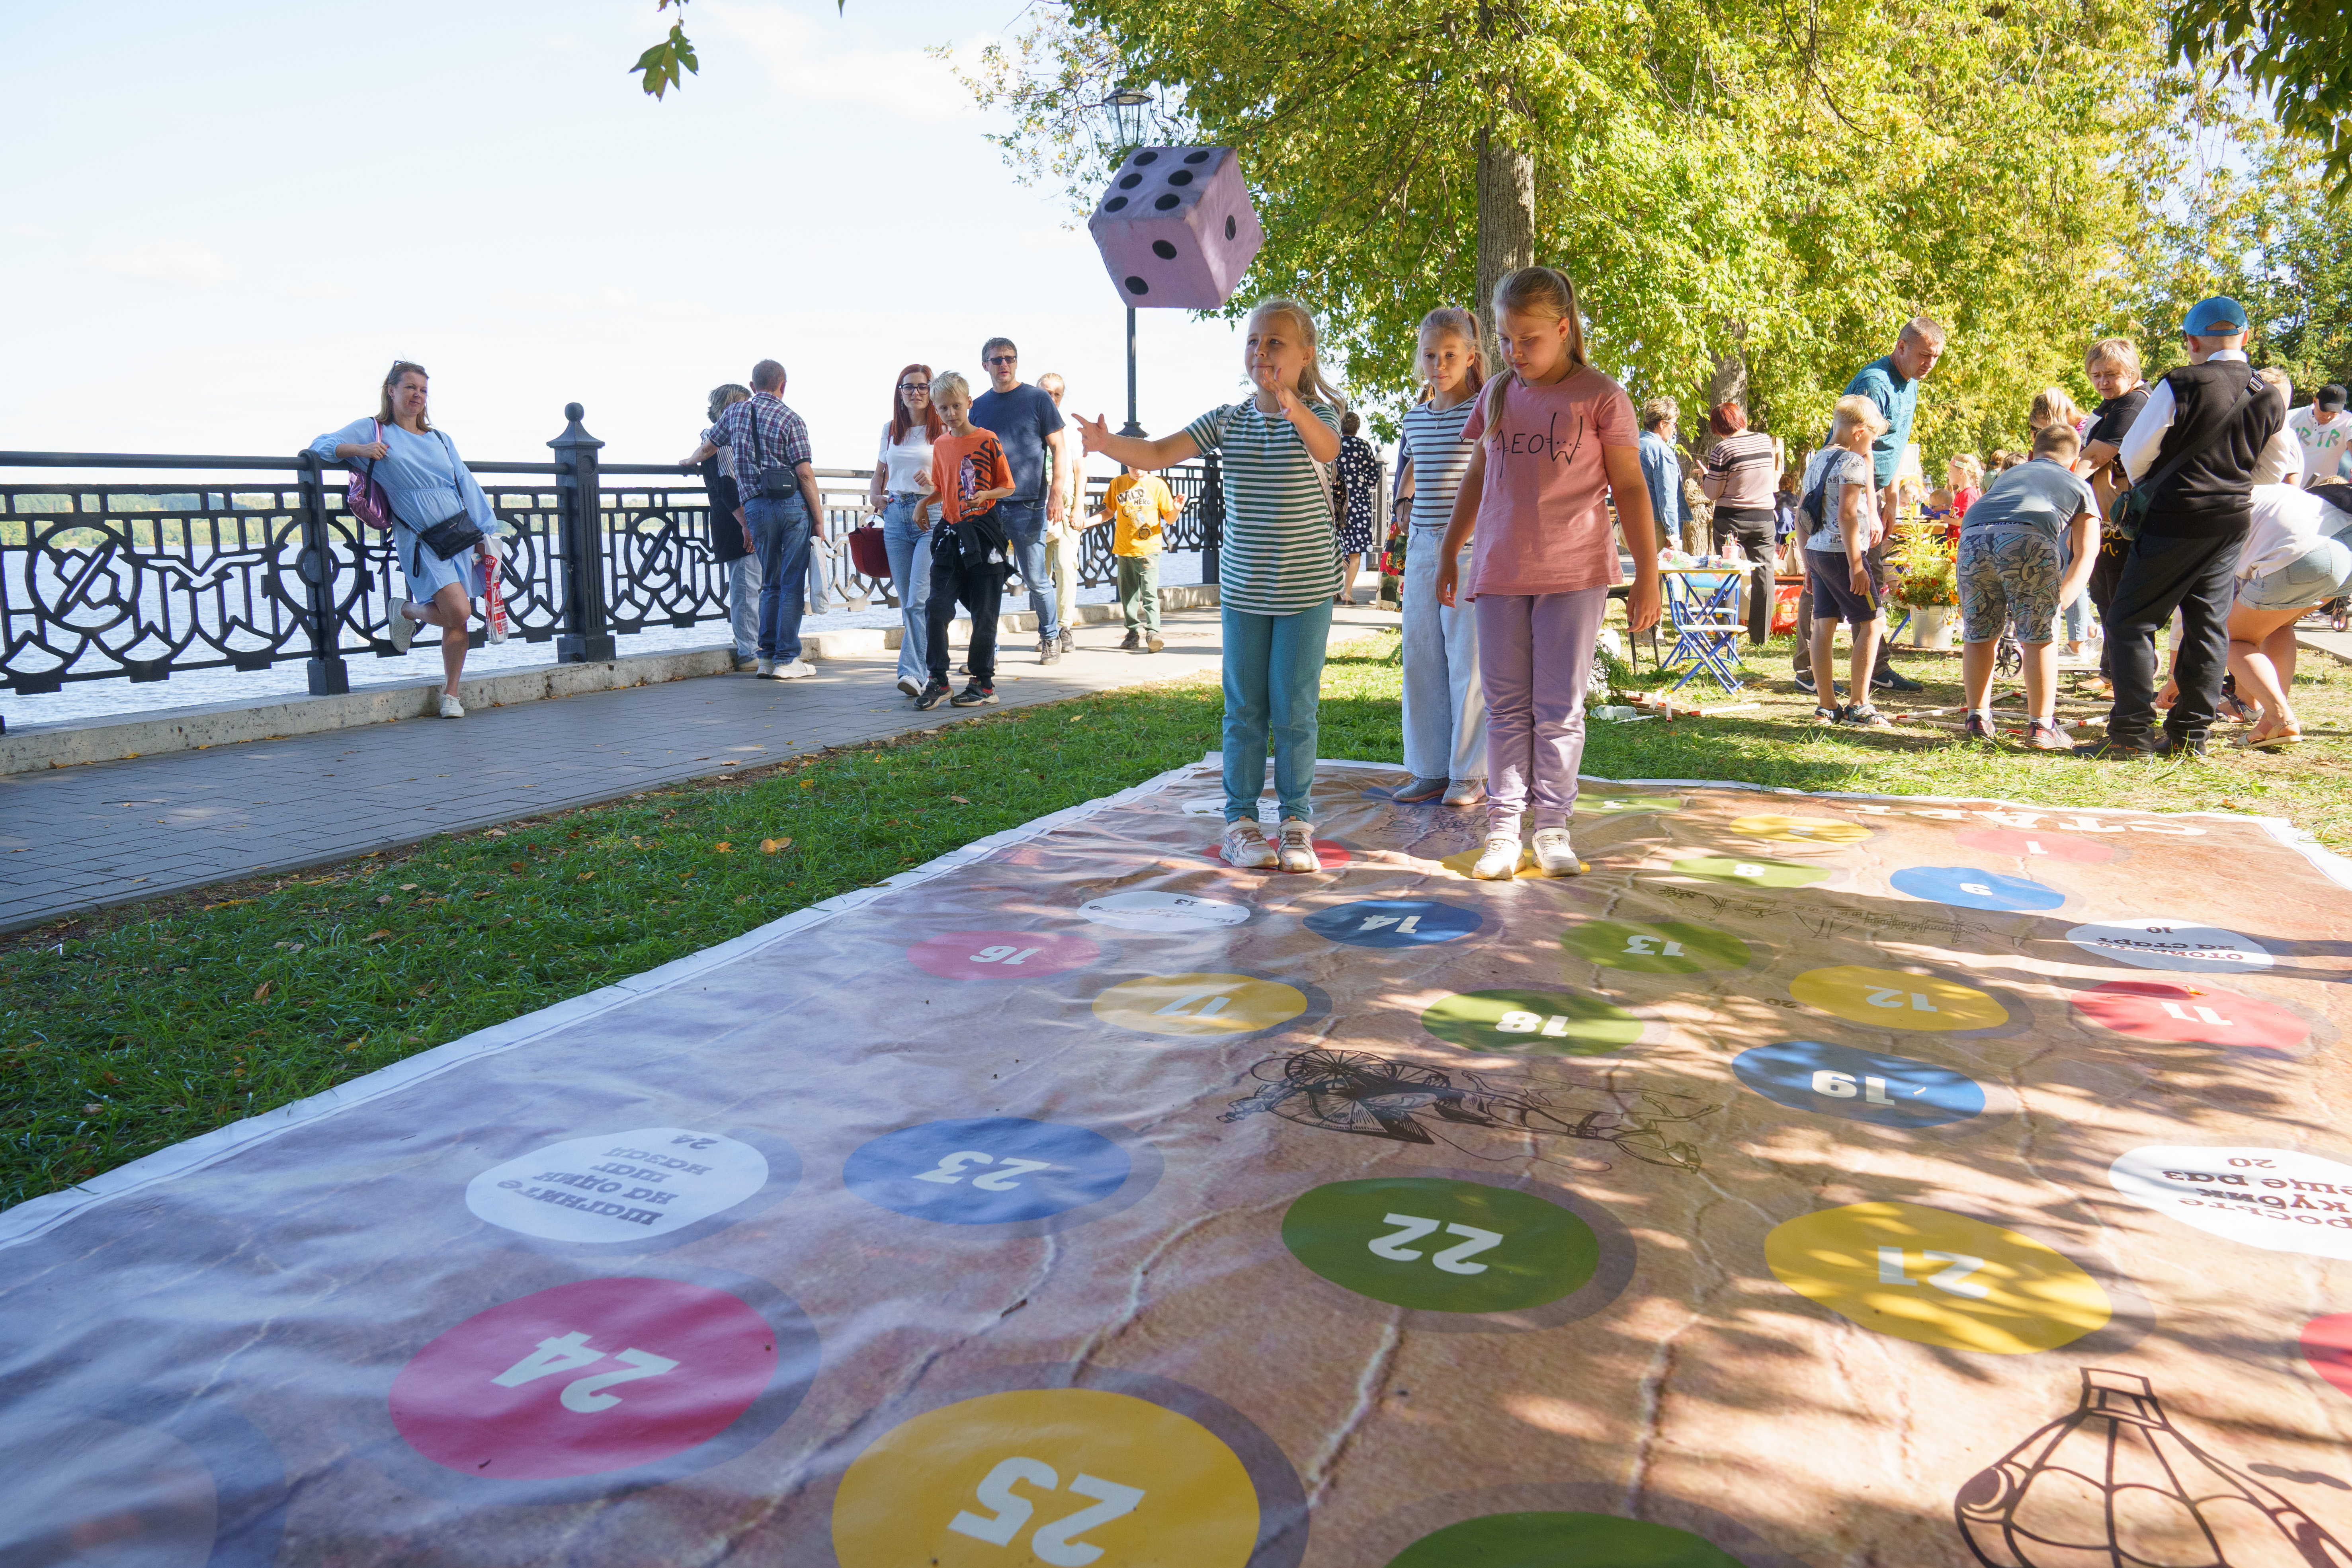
(1140, 507)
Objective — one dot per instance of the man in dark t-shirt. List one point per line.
(1025, 420)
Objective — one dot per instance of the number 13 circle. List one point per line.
(1069, 1476)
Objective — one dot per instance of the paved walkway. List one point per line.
(77, 838)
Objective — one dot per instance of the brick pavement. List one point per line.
(78, 838)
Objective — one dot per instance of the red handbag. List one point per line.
(867, 554)
(364, 499)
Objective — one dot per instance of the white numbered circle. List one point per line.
(1162, 912)
(2157, 943)
(618, 1186)
(2276, 1199)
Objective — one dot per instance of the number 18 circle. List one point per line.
(986, 1170)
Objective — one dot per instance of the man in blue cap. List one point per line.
(2210, 431)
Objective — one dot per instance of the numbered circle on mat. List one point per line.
(1394, 922)
(618, 1186)
(2281, 1200)
(1142, 911)
(1624, 804)
(2164, 942)
(1562, 1022)
(2028, 845)
(1561, 1540)
(1800, 829)
(1330, 856)
(2180, 1013)
(1001, 954)
(986, 1170)
(1199, 1004)
(1441, 1245)
(1969, 889)
(1938, 1278)
(2327, 1346)
(1750, 871)
(1066, 1476)
(1858, 1085)
(585, 1378)
(1891, 999)
(1655, 947)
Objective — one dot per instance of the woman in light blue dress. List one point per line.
(421, 473)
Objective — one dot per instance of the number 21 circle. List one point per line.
(1001, 954)
(1063, 1476)
(581, 1379)
(986, 1170)
(1891, 999)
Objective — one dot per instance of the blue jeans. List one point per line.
(910, 572)
(1273, 679)
(781, 529)
(743, 602)
(1025, 530)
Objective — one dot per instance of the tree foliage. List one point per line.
(2298, 52)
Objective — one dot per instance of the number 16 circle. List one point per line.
(1001, 954)
(1068, 1476)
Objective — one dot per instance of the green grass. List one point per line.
(140, 1027)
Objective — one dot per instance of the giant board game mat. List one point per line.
(1817, 1181)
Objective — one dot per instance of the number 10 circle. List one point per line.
(1069, 1476)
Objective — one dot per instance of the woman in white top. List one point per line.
(902, 480)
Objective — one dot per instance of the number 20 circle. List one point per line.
(1069, 1476)
(1001, 954)
(986, 1170)
(1892, 999)
(1438, 1244)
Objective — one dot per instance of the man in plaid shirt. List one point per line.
(767, 438)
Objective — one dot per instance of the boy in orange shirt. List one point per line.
(1140, 507)
(968, 562)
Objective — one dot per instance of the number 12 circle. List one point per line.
(986, 1170)
(1892, 999)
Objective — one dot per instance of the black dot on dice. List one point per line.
(1162, 250)
(1138, 286)
(1147, 157)
(1180, 177)
(1116, 202)
(1170, 200)
(1196, 157)
(1129, 181)
(1231, 228)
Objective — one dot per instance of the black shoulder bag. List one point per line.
(454, 535)
(769, 484)
(2128, 510)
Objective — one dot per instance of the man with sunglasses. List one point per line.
(1029, 426)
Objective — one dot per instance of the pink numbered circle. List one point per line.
(582, 1379)
(2327, 1346)
(2190, 1014)
(2028, 844)
(1001, 954)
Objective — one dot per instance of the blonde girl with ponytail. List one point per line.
(1444, 705)
(1556, 442)
(1278, 573)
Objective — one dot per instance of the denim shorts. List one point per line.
(2009, 577)
(2314, 577)
(1832, 585)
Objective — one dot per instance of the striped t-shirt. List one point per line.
(1281, 554)
(1433, 439)
(1740, 470)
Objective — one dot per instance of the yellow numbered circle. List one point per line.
(1938, 1278)
(1891, 999)
(1062, 1476)
(1800, 829)
(1199, 1004)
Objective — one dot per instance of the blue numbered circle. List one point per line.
(1973, 890)
(986, 1170)
(1394, 922)
(1858, 1085)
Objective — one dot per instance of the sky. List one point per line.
(220, 222)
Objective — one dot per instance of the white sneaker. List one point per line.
(404, 630)
(911, 686)
(1499, 861)
(451, 708)
(1246, 846)
(1555, 856)
(795, 670)
(1298, 853)
(764, 668)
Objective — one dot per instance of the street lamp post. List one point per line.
(1127, 108)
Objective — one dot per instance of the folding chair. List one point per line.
(1705, 611)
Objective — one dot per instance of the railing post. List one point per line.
(1213, 515)
(587, 636)
(330, 676)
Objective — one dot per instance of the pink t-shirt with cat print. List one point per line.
(1543, 517)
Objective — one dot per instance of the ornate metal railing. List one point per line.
(251, 562)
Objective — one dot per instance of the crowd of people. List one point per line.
(2199, 498)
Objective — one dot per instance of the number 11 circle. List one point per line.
(1063, 1476)
(1892, 999)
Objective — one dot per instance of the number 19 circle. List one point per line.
(1068, 1476)
(986, 1170)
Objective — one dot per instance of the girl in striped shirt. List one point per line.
(1444, 706)
(1278, 573)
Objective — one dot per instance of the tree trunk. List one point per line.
(1507, 222)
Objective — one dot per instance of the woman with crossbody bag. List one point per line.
(441, 522)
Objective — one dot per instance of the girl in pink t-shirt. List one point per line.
(1556, 439)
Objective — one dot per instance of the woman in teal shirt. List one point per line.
(421, 473)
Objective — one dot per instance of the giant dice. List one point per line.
(1176, 228)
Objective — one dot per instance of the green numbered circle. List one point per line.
(1561, 1540)
(1615, 804)
(1655, 947)
(1560, 1023)
(1749, 872)
(1441, 1245)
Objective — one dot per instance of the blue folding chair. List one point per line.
(1704, 609)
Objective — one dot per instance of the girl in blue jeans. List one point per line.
(902, 482)
(1278, 572)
